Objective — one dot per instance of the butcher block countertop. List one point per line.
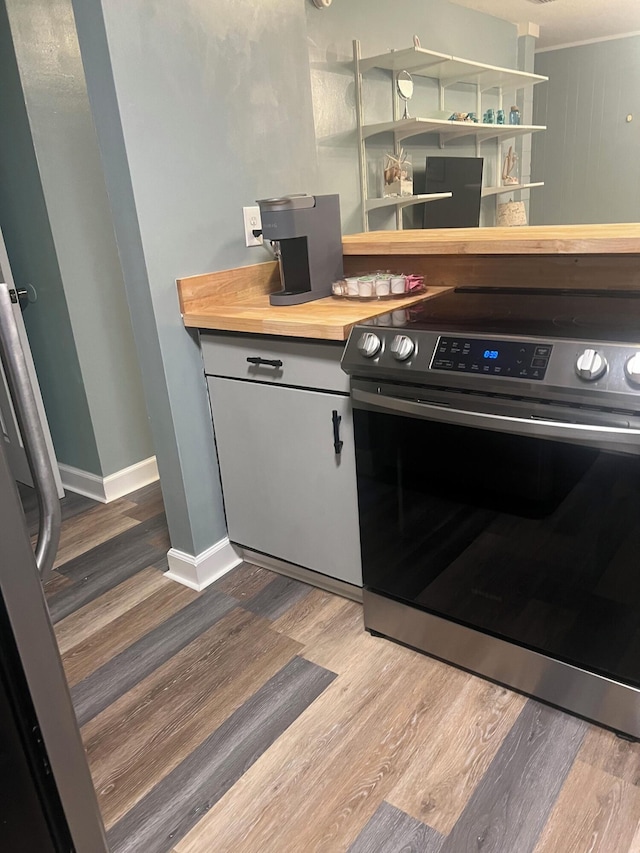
(238, 301)
(525, 240)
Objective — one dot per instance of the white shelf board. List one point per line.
(509, 188)
(405, 128)
(450, 69)
(415, 59)
(404, 200)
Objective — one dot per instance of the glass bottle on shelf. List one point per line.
(514, 116)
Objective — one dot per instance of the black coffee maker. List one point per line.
(307, 237)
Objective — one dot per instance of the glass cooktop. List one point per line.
(612, 315)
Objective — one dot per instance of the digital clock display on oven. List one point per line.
(515, 359)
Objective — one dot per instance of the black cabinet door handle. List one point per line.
(267, 362)
(337, 444)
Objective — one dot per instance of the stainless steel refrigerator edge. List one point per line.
(27, 610)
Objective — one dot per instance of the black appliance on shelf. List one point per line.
(498, 462)
(462, 177)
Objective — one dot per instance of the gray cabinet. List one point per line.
(287, 493)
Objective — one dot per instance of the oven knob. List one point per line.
(402, 347)
(632, 369)
(590, 365)
(369, 345)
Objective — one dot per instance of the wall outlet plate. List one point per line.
(252, 222)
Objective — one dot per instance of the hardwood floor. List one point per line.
(260, 716)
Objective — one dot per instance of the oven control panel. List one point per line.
(515, 359)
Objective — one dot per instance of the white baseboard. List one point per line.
(129, 479)
(205, 568)
(82, 482)
(112, 487)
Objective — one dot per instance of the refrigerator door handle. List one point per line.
(24, 402)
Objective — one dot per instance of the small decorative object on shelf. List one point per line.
(404, 84)
(463, 117)
(489, 117)
(511, 213)
(501, 118)
(397, 175)
(514, 116)
(381, 284)
(510, 168)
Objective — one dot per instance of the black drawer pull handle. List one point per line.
(267, 362)
(337, 444)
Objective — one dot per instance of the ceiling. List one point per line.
(565, 21)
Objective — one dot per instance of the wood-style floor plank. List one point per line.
(635, 844)
(347, 749)
(70, 505)
(277, 597)
(311, 618)
(93, 527)
(219, 761)
(105, 566)
(244, 581)
(397, 750)
(178, 706)
(340, 639)
(145, 509)
(392, 831)
(438, 782)
(147, 494)
(125, 631)
(93, 617)
(605, 751)
(513, 800)
(595, 812)
(106, 684)
(55, 583)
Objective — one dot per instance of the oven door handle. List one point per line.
(625, 439)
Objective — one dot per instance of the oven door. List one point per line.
(514, 518)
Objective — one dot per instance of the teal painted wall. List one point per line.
(27, 233)
(72, 181)
(588, 157)
(201, 108)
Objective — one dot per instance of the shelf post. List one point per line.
(362, 155)
(396, 143)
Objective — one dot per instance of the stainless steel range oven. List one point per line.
(498, 463)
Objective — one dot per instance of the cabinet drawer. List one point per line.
(301, 363)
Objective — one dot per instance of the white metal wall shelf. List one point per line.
(406, 128)
(448, 71)
(404, 201)
(509, 188)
